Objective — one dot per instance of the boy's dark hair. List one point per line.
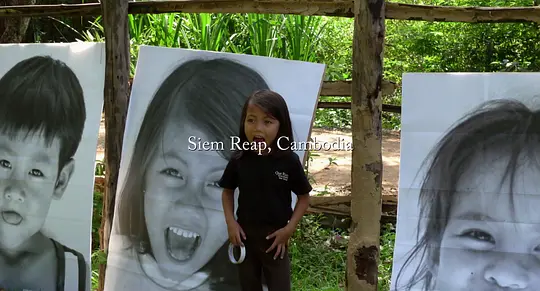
(507, 126)
(42, 94)
(273, 104)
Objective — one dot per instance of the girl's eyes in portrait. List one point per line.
(172, 172)
(478, 235)
(213, 184)
(5, 164)
(213, 179)
(477, 239)
(173, 177)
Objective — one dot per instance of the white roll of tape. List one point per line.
(231, 254)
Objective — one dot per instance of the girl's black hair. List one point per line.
(273, 104)
(506, 126)
(208, 94)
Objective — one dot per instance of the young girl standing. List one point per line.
(265, 178)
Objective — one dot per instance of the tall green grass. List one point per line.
(320, 39)
(293, 37)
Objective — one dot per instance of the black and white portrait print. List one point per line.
(469, 191)
(169, 228)
(50, 109)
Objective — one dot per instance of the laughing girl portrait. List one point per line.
(170, 229)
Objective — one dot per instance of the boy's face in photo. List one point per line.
(492, 239)
(29, 180)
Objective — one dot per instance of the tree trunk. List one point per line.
(115, 17)
(13, 29)
(366, 107)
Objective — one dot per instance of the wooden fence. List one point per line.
(365, 88)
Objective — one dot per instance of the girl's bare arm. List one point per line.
(299, 210)
(227, 198)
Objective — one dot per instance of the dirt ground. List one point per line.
(331, 169)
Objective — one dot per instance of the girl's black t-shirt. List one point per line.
(265, 183)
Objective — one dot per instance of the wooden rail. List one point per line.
(333, 205)
(344, 88)
(341, 88)
(347, 105)
(340, 8)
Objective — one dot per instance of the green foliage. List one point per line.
(387, 240)
(333, 118)
(96, 218)
(336, 49)
(98, 256)
(99, 169)
(318, 255)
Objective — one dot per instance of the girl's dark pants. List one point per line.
(258, 263)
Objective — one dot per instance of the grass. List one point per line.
(319, 254)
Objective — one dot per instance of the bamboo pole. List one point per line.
(116, 93)
(461, 14)
(344, 88)
(339, 8)
(363, 248)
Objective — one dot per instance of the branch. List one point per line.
(305, 7)
(469, 14)
(339, 8)
(344, 88)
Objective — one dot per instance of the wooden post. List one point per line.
(366, 107)
(12, 30)
(115, 17)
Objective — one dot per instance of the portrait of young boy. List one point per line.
(42, 117)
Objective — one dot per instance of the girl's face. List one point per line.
(489, 245)
(182, 202)
(259, 126)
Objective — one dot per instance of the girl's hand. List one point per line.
(281, 241)
(236, 233)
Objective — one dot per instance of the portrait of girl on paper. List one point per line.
(479, 224)
(170, 216)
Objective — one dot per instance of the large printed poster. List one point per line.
(169, 228)
(469, 191)
(51, 98)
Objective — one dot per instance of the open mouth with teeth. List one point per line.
(181, 243)
(12, 217)
(258, 139)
